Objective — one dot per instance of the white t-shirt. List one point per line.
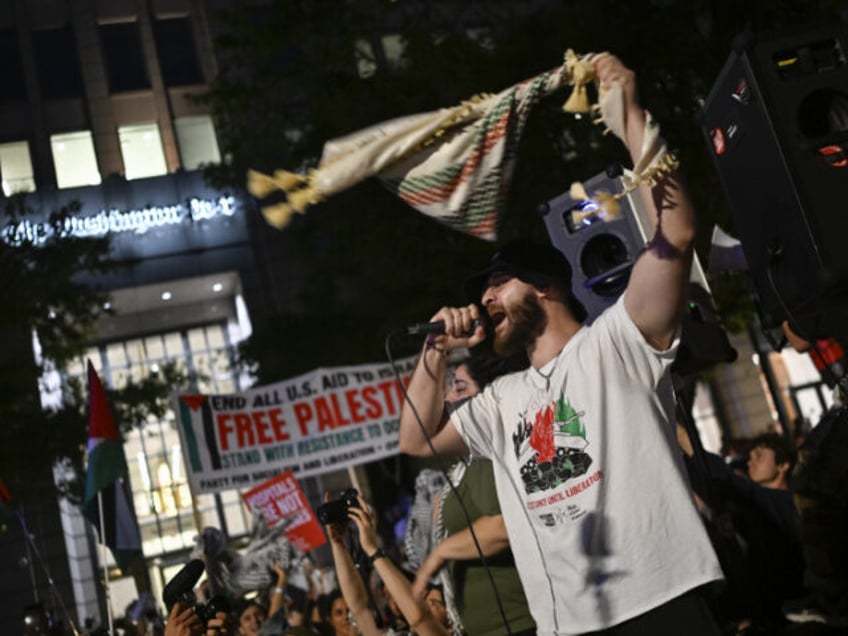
(590, 479)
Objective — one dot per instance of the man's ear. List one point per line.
(783, 468)
(545, 291)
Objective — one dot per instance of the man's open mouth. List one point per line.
(497, 318)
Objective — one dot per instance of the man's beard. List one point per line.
(527, 321)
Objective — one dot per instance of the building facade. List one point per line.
(97, 108)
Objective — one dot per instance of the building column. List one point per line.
(96, 86)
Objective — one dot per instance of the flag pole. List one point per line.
(103, 561)
(32, 548)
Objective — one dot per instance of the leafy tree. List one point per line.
(42, 294)
(45, 292)
(362, 262)
(291, 78)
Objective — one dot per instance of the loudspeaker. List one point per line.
(601, 251)
(776, 124)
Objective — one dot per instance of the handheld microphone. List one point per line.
(182, 583)
(437, 327)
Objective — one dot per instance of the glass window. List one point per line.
(124, 57)
(13, 86)
(173, 344)
(394, 47)
(812, 402)
(77, 367)
(177, 52)
(116, 355)
(16, 168)
(155, 347)
(235, 512)
(226, 385)
(141, 148)
(135, 350)
(208, 511)
(215, 334)
(57, 62)
(197, 141)
(201, 365)
(799, 367)
(197, 340)
(483, 37)
(74, 159)
(365, 61)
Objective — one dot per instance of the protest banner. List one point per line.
(321, 421)
(281, 500)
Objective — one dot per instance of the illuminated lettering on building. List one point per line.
(118, 221)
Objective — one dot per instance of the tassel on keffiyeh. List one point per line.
(455, 164)
(655, 162)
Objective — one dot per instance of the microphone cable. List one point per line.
(441, 465)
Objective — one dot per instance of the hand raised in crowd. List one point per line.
(364, 518)
(279, 599)
(282, 574)
(182, 621)
(221, 625)
(308, 568)
(335, 531)
(309, 573)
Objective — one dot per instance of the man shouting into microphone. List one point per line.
(600, 519)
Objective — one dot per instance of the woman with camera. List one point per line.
(185, 621)
(421, 621)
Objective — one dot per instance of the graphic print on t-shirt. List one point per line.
(550, 446)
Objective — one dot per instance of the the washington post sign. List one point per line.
(320, 421)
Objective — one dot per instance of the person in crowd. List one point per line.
(141, 618)
(274, 621)
(434, 598)
(471, 599)
(251, 617)
(184, 621)
(337, 615)
(320, 614)
(597, 507)
(765, 523)
(296, 613)
(821, 494)
(353, 589)
(770, 463)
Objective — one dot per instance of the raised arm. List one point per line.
(183, 621)
(490, 531)
(420, 620)
(351, 584)
(426, 390)
(278, 594)
(657, 287)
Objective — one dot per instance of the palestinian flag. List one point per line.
(108, 474)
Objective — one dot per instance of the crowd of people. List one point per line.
(578, 504)
(756, 533)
